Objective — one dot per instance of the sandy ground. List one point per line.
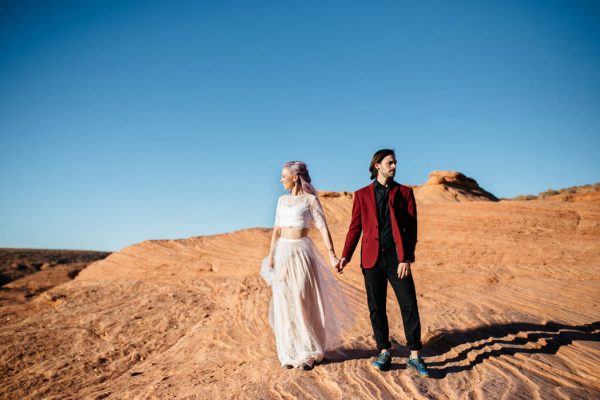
(26, 273)
(509, 296)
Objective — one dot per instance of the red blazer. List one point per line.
(403, 212)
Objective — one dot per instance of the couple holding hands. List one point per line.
(308, 310)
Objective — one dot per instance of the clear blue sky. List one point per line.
(129, 120)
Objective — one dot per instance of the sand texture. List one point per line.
(509, 297)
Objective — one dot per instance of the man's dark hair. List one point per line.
(377, 157)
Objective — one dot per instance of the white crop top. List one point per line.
(299, 211)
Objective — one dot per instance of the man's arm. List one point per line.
(354, 231)
(411, 228)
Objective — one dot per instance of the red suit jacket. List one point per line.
(403, 213)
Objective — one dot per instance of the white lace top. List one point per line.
(299, 211)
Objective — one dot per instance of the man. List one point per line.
(386, 214)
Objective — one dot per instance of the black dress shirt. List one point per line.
(382, 195)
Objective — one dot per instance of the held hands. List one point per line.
(340, 267)
(336, 262)
(403, 270)
(333, 259)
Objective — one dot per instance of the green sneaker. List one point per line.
(383, 362)
(417, 365)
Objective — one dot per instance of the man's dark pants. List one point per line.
(376, 280)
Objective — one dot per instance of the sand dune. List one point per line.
(508, 292)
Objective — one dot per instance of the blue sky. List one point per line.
(129, 120)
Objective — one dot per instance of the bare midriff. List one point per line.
(293, 233)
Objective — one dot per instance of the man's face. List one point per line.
(387, 167)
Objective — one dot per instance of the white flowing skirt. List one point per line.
(308, 310)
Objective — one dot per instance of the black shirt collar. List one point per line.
(380, 186)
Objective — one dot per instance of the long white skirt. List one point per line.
(308, 310)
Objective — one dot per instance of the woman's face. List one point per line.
(287, 179)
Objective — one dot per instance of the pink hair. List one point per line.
(299, 168)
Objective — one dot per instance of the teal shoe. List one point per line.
(417, 365)
(384, 361)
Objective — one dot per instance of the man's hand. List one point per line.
(341, 265)
(403, 270)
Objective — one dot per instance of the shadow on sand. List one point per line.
(554, 335)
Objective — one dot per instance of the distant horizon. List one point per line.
(255, 227)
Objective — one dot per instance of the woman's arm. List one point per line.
(276, 234)
(321, 224)
(329, 244)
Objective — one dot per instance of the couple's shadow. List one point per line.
(555, 335)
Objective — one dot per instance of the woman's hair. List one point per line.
(377, 157)
(299, 168)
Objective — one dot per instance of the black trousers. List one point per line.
(376, 282)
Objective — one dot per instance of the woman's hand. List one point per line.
(333, 260)
(271, 260)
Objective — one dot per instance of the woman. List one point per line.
(308, 310)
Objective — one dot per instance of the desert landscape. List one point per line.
(508, 290)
